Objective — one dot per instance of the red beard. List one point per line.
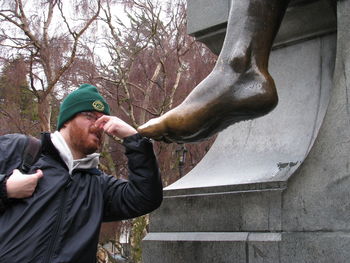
(86, 140)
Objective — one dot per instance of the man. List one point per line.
(55, 213)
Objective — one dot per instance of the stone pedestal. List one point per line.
(275, 189)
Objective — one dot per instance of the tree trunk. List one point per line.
(44, 111)
(148, 91)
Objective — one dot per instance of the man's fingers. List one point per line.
(100, 122)
(22, 185)
(16, 171)
(108, 123)
(108, 128)
(115, 126)
(39, 174)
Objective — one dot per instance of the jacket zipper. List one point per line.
(57, 226)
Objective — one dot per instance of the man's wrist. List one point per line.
(129, 133)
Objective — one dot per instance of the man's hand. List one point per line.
(114, 126)
(20, 185)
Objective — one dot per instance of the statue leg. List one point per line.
(239, 87)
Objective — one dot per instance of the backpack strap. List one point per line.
(31, 153)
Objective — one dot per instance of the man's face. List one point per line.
(84, 136)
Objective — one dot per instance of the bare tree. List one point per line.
(150, 65)
(147, 58)
(17, 103)
(45, 35)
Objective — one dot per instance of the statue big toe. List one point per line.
(239, 87)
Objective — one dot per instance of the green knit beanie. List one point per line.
(86, 98)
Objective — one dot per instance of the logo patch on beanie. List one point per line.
(98, 105)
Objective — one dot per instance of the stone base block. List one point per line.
(247, 247)
(209, 247)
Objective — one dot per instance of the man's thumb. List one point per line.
(39, 173)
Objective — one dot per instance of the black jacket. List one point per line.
(61, 221)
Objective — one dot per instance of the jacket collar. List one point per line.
(89, 162)
(48, 148)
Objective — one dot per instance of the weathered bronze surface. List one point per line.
(239, 87)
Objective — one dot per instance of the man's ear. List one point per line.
(64, 126)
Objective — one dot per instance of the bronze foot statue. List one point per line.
(239, 87)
